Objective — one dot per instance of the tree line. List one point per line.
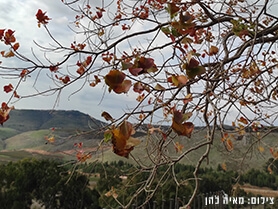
(45, 181)
(107, 185)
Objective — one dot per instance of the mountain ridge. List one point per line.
(29, 119)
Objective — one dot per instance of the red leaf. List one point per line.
(42, 18)
(99, 14)
(53, 68)
(8, 88)
(2, 33)
(180, 117)
(114, 78)
(178, 80)
(135, 71)
(65, 79)
(107, 57)
(24, 73)
(193, 63)
(97, 80)
(88, 60)
(83, 65)
(16, 95)
(123, 88)
(80, 70)
(9, 37)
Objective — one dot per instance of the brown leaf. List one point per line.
(143, 65)
(115, 79)
(173, 9)
(4, 112)
(184, 129)
(138, 87)
(213, 50)
(180, 117)
(193, 68)
(16, 46)
(243, 120)
(7, 54)
(122, 141)
(107, 116)
(178, 80)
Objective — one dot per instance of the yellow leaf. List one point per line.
(187, 99)
(7, 54)
(229, 144)
(269, 169)
(224, 166)
(261, 148)
(112, 193)
(179, 147)
(159, 87)
(274, 152)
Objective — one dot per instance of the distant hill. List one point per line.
(23, 135)
(26, 132)
(29, 120)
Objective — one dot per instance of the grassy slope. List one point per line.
(29, 139)
(237, 159)
(70, 122)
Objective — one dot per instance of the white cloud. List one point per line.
(19, 15)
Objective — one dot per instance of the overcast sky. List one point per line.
(19, 15)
